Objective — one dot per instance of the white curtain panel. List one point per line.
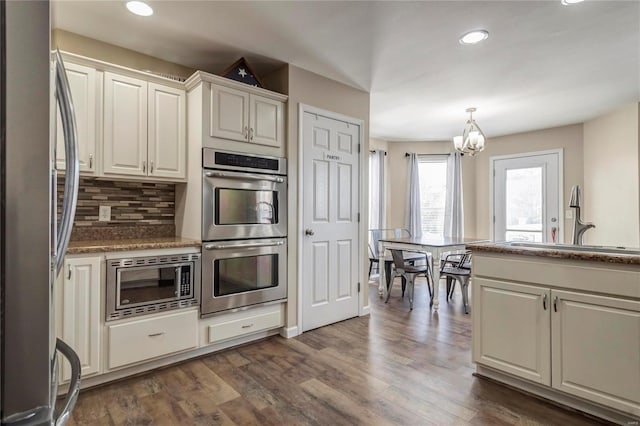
(414, 217)
(454, 209)
(377, 202)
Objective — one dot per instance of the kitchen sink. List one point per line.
(569, 247)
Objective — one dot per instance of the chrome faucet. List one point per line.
(579, 227)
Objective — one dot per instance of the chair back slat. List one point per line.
(378, 234)
(398, 259)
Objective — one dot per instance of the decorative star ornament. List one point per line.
(242, 72)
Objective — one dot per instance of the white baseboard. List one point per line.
(366, 310)
(290, 332)
(557, 397)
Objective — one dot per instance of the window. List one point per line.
(433, 189)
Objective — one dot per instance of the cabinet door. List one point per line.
(125, 125)
(82, 82)
(596, 349)
(229, 113)
(81, 313)
(512, 329)
(167, 134)
(266, 123)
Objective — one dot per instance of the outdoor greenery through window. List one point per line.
(433, 188)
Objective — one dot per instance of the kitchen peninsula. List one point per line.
(562, 322)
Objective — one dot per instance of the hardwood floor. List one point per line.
(393, 367)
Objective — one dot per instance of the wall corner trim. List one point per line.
(290, 332)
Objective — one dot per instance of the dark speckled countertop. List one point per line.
(558, 253)
(103, 246)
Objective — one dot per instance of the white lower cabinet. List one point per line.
(513, 332)
(78, 313)
(148, 338)
(582, 344)
(596, 349)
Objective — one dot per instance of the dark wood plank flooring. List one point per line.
(393, 367)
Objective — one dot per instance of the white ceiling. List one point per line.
(544, 64)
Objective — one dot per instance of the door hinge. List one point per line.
(358, 287)
(494, 172)
(358, 217)
(494, 219)
(358, 148)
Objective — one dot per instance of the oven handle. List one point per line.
(244, 177)
(234, 246)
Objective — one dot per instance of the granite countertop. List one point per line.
(102, 246)
(559, 253)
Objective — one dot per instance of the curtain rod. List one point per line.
(407, 154)
(373, 151)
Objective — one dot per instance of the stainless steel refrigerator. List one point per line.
(32, 246)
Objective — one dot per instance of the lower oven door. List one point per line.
(243, 273)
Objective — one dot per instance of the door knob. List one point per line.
(309, 232)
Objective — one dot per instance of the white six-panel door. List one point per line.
(330, 221)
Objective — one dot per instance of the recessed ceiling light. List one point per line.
(139, 8)
(570, 2)
(473, 37)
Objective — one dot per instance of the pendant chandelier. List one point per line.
(472, 140)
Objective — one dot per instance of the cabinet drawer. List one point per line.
(239, 327)
(149, 338)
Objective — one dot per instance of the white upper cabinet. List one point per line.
(246, 117)
(229, 113)
(167, 147)
(82, 82)
(125, 125)
(267, 126)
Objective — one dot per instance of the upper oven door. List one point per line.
(237, 205)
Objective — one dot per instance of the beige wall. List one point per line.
(569, 138)
(397, 176)
(315, 90)
(80, 45)
(611, 179)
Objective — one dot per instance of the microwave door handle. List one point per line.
(178, 278)
(241, 246)
(244, 177)
(70, 198)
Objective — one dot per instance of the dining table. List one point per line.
(437, 246)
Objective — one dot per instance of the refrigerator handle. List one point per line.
(74, 385)
(65, 103)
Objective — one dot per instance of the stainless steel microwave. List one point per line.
(144, 285)
(243, 196)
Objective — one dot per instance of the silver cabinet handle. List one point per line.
(555, 304)
(70, 197)
(245, 131)
(241, 245)
(544, 302)
(309, 232)
(90, 161)
(156, 334)
(251, 134)
(247, 326)
(151, 167)
(69, 275)
(74, 386)
(144, 166)
(244, 177)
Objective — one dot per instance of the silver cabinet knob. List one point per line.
(309, 232)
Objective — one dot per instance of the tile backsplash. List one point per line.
(138, 209)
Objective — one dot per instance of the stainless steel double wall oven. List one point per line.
(244, 230)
